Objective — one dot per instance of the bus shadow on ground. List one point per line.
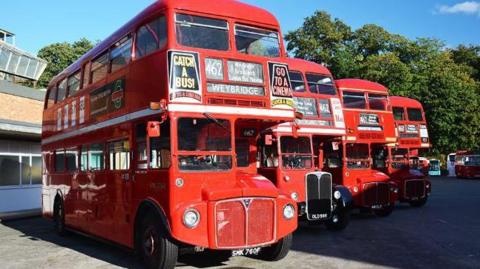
(39, 229)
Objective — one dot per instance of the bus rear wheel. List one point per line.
(420, 202)
(384, 212)
(59, 217)
(278, 250)
(154, 246)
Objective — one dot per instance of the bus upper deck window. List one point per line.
(377, 101)
(414, 114)
(255, 41)
(399, 113)
(99, 68)
(321, 84)
(151, 37)
(62, 90)
(121, 54)
(354, 100)
(52, 94)
(202, 32)
(298, 84)
(74, 83)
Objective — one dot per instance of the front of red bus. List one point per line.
(225, 83)
(413, 137)
(370, 128)
(298, 147)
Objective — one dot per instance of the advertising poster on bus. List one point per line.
(280, 86)
(184, 77)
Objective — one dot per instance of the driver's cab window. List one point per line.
(332, 155)
(154, 152)
(268, 152)
(380, 156)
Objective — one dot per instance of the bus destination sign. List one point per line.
(245, 72)
(280, 86)
(184, 80)
(235, 89)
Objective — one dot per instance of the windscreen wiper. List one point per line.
(217, 122)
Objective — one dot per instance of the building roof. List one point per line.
(360, 84)
(21, 91)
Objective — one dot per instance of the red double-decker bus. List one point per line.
(139, 135)
(403, 164)
(467, 164)
(355, 160)
(291, 154)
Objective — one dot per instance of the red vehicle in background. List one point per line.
(139, 135)
(290, 154)
(467, 164)
(404, 165)
(355, 160)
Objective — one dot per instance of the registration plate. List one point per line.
(377, 206)
(246, 252)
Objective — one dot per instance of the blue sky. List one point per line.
(39, 23)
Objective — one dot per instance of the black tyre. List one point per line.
(218, 255)
(278, 250)
(339, 221)
(384, 212)
(154, 247)
(420, 202)
(59, 217)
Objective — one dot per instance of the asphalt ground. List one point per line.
(445, 233)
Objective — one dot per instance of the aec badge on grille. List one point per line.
(247, 203)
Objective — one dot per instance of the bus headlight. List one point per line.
(191, 218)
(337, 195)
(289, 212)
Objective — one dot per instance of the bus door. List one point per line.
(269, 157)
(153, 159)
(115, 207)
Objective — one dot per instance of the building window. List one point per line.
(96, 160)
(99, 68)
(119, 155)
(121, 54)
(20, 170)
(74, 83)
(151, 37)
(10, 167)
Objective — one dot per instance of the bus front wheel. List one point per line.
(156, 249)
(278, 250)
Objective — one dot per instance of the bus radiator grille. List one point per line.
(376, 194)
(319, 196)
(414, 189)
(245, 222)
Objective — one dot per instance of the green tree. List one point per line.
(442, 80)
(59, 56)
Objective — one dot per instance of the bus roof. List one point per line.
(399, 101)
(295, 64)
(223, 8)
(360, 84)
